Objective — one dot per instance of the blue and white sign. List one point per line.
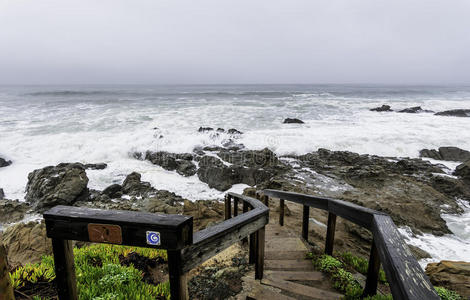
(153, 238)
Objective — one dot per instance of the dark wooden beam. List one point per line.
(228, 207)
(372, 272)
(235, 207)
(305, 221)
(330, 234)
(64, 269)
(178, 279)
(259, 262)
(281, 212)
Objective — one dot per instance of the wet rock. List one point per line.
(63, 184)
(99, 166)
(113, 191)
(454, 275)
(181, 163)
(4, 162)
(418, 253)
(133, 186)
(451, 186)
(455, 113)
(205, 129)
(2, 194)
(382, 108)
(414, 110)
(12, 210)
(220, 130)
(446, 153)
(163, 202)
(293, 121)
(234, 131)
(204, 212)
(26, 243)
(463, 170)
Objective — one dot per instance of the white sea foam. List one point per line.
(42, 126)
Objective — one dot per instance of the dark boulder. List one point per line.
(4, 162)
(455, 113)
(293, 121)
(113, 191)
(382, 108)
(234, 131)
(12, 210)
(98, 166)
(133, 186)
(182, 163)
(454, 275)
(414, 110)
(446, 153)
(463, 170)
(2, 194)
(63, 184)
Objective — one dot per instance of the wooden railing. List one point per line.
(404, 275)
(171, 232)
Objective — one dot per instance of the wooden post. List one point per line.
(281, 212)
(64, 269)
(252, 256)
(330, 234)
(178, 280)
(259, 263)
(235, 207)
(305, 219)
(228, 207)
(266, 200)
(6, 289)
(372, 272)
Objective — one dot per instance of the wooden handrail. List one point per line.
(405, 276)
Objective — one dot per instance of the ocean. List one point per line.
(46, 125)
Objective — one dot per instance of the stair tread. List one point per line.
(288, 264)
(299, 289)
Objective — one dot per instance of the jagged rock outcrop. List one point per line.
(64, 184)
(455, 113)
(454, 275)
(384, 107)
(249, 167)
(181, 163)
(12, 210)
(26, 243)
(463, 170)
(414, 110)
(446, 153)
(4, 162)
(2, 194)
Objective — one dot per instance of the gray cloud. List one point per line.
(242, 41)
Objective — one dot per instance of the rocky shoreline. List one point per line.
(413, 191)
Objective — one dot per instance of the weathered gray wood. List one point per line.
(64, 269)
(259, 263)
(305, 221)
(330, 234)
(406, 277)
(266, 200)
(178, 278)
(6, 289)
(245, 209)
(235, 207)
(372, 272)
(252, 249)
(210, 246)
(281, 212)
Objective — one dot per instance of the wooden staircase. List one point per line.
(288, 274)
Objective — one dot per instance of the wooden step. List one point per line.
(294, 275)
(274, 254)
(285, 244)
(303, 290)
(288, 264)
(265, 293)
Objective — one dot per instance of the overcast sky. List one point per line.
(239, 41)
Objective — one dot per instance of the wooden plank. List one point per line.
(276, 254)
(259, 262)
(252, 249)
(64, 269)
(406, 277)
(281, 212)
(294, 275)
(372, 272)
(235, 207)
(245, 209)
(286, 244)
(72, 223)
(305, 221)
(303, 290)
(212, 244)
(228, 207)
(289, 265)
(330, 234)
(6, 289)
(265, 292)
(178, 279)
